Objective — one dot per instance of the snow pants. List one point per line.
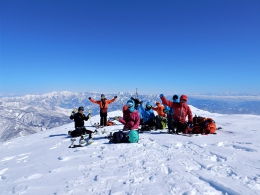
(81, 131)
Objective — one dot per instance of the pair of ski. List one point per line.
(82, 142)
(188, 135)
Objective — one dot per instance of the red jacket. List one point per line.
(131, 120)
(159, 109)
(181, 110)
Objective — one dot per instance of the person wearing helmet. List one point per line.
(181, 111)
(160, 115)
(103, 104)
(79, 119)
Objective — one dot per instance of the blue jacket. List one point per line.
(147, 114)
(139, 109)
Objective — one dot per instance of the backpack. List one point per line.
(164, 123)
(110, 123)
(119, 137)
(133, 136)
(203, 125)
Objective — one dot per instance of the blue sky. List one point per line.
(108, 46)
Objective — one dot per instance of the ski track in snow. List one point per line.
(158, 164)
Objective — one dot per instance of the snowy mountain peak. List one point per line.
(125, 93)
(226, 163)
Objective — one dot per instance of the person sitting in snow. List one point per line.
(148, 117)
(131, 118)
(181, 111)
(131, 121)
(160, 119)
(103, 104)
(79, 119)
(137, 107)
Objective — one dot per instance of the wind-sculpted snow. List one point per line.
(222, 164)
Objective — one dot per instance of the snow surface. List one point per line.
(226, 163)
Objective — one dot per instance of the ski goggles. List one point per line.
(183, 100)
(148, 106)
(129, 104)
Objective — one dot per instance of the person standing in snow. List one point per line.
(103, 104)
(181, 111)
(160, 115)
(79, 119)
(169, 111)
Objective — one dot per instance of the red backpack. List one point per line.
(110, 123)
(203, 125)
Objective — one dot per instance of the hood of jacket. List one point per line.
(184, 97)
(132, 108)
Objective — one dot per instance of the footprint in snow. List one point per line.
(2, 177)
(7, 158)
(165, 169)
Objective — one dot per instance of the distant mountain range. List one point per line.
(20, 116)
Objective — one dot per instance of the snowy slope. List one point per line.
(226, 163)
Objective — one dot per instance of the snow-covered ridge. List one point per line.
(228, 97)
(222, 164)
(41, 112)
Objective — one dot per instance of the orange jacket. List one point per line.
(103, 107)
(159, 109)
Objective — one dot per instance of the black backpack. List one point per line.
(119, 137)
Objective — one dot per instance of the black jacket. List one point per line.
(79, 119)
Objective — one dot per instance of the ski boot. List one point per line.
(72, 142)
(82, 141)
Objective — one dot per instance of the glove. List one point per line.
(161, 95)
(117, 118)
(89, 98)
(115, 96)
